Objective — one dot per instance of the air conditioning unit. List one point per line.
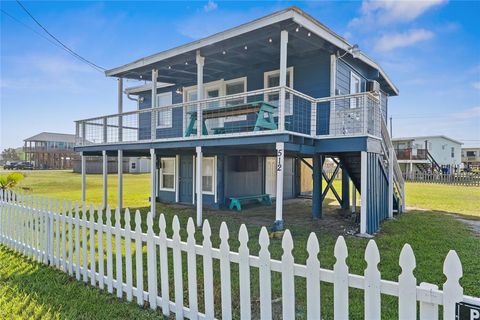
(373, 86)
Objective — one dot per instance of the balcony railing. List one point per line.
(264, 111)
(411, 154)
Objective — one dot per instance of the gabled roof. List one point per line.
(425, 138)
(52, 137)
(293, 13)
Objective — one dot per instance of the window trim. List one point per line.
(162, 188)
(267, 74)
(168, 108)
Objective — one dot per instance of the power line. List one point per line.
(64, 46)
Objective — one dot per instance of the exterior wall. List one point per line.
(94, 165)
(440, 149)
(138, 165)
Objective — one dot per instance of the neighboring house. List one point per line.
(428, 154)
(94, 165)
(49, 150)
(233, 114)
(471, 158)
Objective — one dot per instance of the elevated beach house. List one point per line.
(230, 117)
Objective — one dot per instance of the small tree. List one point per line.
(10, 181)
(10, 154)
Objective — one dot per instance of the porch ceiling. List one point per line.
(233, 56)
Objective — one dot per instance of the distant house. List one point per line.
(428, 154)
(49, 150)
(471, 157)
(94, 165)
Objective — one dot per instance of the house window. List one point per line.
(470, 153)
(164, 117)
(272, 79)
(453, 152)
(167, 174)
(235, 86)
(208, 175)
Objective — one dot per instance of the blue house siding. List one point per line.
(377, 193)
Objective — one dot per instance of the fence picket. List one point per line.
(109, 251)
(64, 232)
(84, 243)
(340, 280)
(163, 265)
(57, 233)
(70, 239)
(54, 244)
(118, 254)
(192, 270)
(452, 291)
(288, 279)
(372, 282)
(177, 268)
(244, 273)
(151, 263)
(428, 310)
(139, 257)
(128, 256)
(313, 278)
(407, 285)
(265, 276)
(101, 251)
(92, 245)
(226, 289)
(77, 241)
(208, 271)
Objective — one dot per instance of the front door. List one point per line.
(271, 176)
(186, 179)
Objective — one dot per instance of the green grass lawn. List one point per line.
(30, 290)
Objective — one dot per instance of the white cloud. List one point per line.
(210, 6)
(391, 41)
(392, 11)
(476, 85)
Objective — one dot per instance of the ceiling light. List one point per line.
(297, 29)
(141, 77)
(245, 47)
(270, 40)
(309, 34)
(169, 67)
(224, 52)
(186, 63)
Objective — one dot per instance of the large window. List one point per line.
(208, 175)
(271, 79)
(164, 117)
(167, 174)
(235, 86)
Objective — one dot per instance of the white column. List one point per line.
(120, 179)
(153, 122)
(177, 178)
(280, 169)
(364, 191)
(353, 204)
(120, 109)
(84, 177)
(200, 63)
(198, 182)
(105, 178)
(390, 183)
(283, 78)
(153, 181)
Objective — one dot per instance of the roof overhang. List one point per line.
(146, 87)
(292, 13)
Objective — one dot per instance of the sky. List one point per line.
(430, 49)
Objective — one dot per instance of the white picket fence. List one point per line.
(53, 233)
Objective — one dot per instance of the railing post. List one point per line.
(84, 131)
(120, 109)
(153, 122)
(283, 79)
(200, 63)
(105, 130)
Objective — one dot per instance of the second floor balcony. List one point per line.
(265, 111)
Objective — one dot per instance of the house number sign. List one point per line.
(280, 160)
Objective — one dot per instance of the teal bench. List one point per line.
(236, 202)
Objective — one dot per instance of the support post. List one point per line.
(390, 183)
(283, 78)
(353, 204)
(317, 187)
(153, 181)
(364, 192)
(105, 179)
(279, 225)
(84, 177)
(120, 109)
(345, 188)
(120, 179)
(200, 63)
(199, 187)
(153, 122)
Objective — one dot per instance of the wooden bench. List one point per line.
(235, 202)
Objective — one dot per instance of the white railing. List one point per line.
(252, 112)
(59, 235)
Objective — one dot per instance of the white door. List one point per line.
(271, 176)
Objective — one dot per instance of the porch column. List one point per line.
(199, 187)
(280, 146)
(317, 186)
(364, 192)
(153, 120)
(390, 183)
(120, 179)
(153, 181)
(283, 78)
(84, 177)
(120, 109)
(200, 63)
(345, 188)
(105, 178)
(353, 204)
